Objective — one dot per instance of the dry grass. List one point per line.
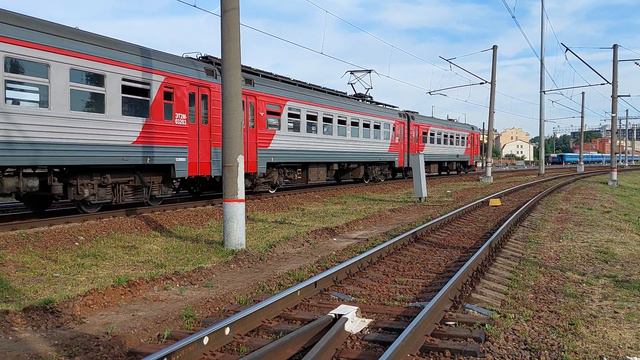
(33, 276)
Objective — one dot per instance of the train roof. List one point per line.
(205, 67)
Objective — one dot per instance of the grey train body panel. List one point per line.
(266, 156)
(63, 154)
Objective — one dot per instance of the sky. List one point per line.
(402, 41)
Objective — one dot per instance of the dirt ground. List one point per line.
(104, 322)
(577, 295)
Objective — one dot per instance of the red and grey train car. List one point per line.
(96, 121)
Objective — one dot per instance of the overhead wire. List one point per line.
(409, 53)
(555, 35)
(307, 48)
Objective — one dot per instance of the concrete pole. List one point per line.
(542, 79)
(488, 178)
(619, 143)
(613, 177)
(581, 161)
(633, 145)
(484, 147)
(232, 133)
(626, 139)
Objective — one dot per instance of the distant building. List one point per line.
(512, 134)
(519, 148)
(515, 141)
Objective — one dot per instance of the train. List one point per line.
(94, 120)
(591, 158)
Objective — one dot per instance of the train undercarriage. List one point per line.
(90, 188)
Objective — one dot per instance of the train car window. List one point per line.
(445, 139)
(376, 131)
(87, 101)
(425, 137)
(432, 137)
(342, 126)
(274, 113)
(252, 115)
(327, 124)
(366, 129)
(33, 93)
(463, 141)
(80, 98)
(439, 138)
(355, 128)
(386, 131)
(26, 94)
(26, 68)
(293, 120)
(135, 98)
(192, 108)
(86, 78)
(204, 108)
(167, 100)
(312, 122)
(457, 139)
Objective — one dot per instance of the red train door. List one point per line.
(401, 140)
(199, 130)
(250, 134)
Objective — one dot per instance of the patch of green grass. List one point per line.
(298, 275)
(8, 292)
(627, 284)
(606, 255)
(242, 350)
(121, 281)
(243, 300)
(166, 334)
(46, 302)
(189, 317)
(570, 292)
(110, 329)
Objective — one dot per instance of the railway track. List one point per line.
(402, 297)
(13, 216)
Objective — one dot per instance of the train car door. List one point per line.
(400, 139)
(199, 130)
(250, 134)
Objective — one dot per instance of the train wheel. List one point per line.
(273, 188)
(88, 207)
(366, 179)
(37, 202)
(154, 201)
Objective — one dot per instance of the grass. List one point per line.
(584, 268)
(32, 274)
(166, 334)
(189, 318)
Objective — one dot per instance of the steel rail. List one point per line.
(411, 339)
(222, 332)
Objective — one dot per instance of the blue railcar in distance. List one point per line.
(573, 158)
